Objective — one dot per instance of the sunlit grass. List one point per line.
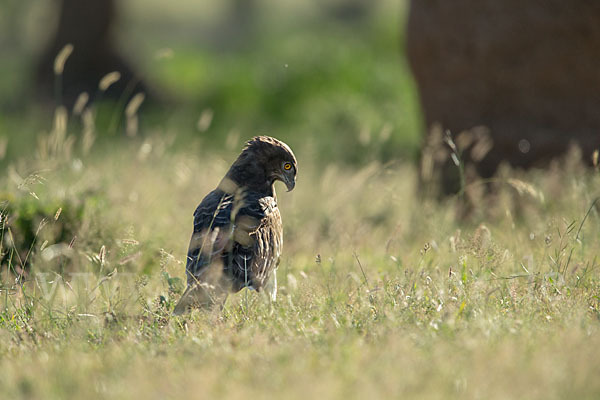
(383, 294)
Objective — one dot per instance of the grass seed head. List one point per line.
(61, 59)
(108, 80)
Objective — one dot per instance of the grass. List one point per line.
(382, 294)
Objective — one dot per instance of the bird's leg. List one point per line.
(271, 286)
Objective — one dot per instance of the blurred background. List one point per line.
(351, 81)
(328, 74)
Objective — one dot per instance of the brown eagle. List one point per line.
(238, 234)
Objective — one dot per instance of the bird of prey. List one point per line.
(238, 234)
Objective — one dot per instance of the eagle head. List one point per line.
(263, 161)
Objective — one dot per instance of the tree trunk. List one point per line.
(525, 75)
(87, 25)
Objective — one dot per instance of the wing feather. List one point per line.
(212, 226)
(248, 249)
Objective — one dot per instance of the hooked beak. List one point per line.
(289, 181)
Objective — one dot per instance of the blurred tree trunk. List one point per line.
(87, 25)
(239, 27)
(522, 77)
(243, 14)
(349, 11)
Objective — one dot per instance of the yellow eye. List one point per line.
(287, 166)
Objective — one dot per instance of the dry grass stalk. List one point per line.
(80, 103)
(89, 126)
(61, 59)
(525, 188)
(131, 113)
(205, 120)
(134, 104)
(108, 80)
